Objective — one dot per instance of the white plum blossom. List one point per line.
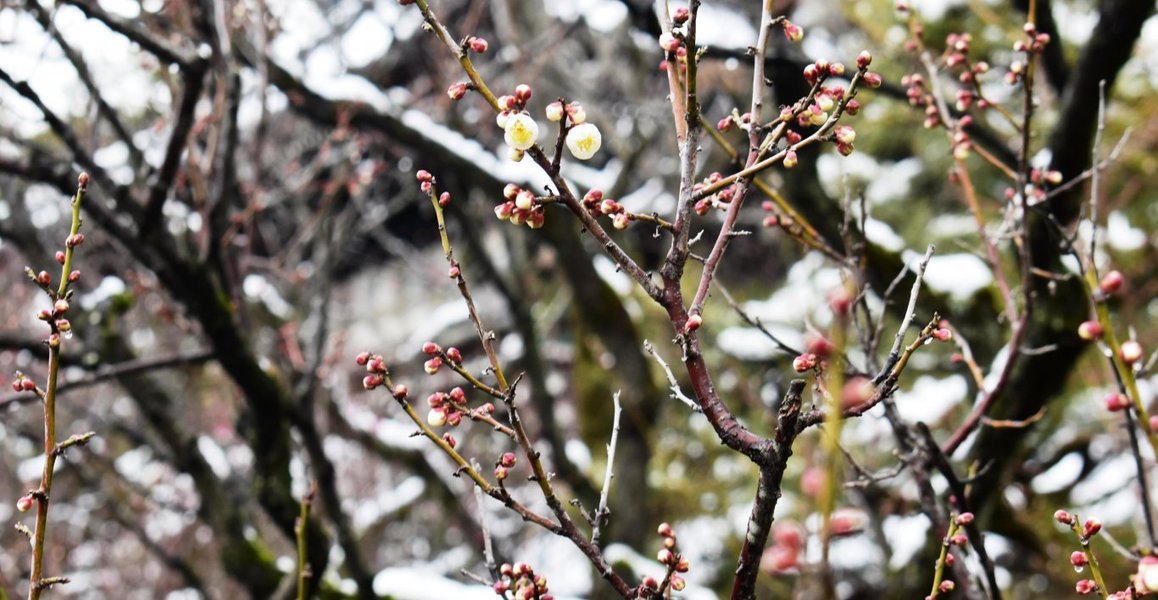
(584, 140)
(522, 131)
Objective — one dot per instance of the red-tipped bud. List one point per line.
(964, 518)
(724, 124)
(74, 240)
(947, 586)
(1111, 282)
(430, 348)
(1091, 527)
(27, 385)
(1063, 517)
(790, 159)
(665, 530)
(873, 80)
(844, 134)
(665, 556)
(804, 362)
(82, 180)
(424, 176)
(694, 322)
(453, 418)
(456, 91)
(501, 473)
(1078, 558)
(1090, 330)
(1117, 402)
(60, 256)
(678, 583)
(43, 278)
(371, 381)
(60, 307)
(432, 366)
(478, 45)
(400, 392)
(436, 400)
(454, 354)
(864, 59)
(74, 277)
(1131, 352)
(449, 439)
(508, 459)
(681, 15)
(1086, 587)
(24, 504)
(793, 31)
(444, 199)
(522, 93)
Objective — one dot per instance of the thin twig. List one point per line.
(910, 313)
(673, 385)
(601, 512)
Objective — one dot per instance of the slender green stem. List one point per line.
(301, 529)
(43, 494)
(939, 573)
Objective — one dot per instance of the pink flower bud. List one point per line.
(847, 521)
(508, 459)
(681, 15)
(453, 418)
(844, 134)
(1078, 558)
(864, 59)
(456, 91)
(1086, 587)
(449, 439)
(1063, 517)
(793, 31)
(873, 80)
(444, 199)
(371, 381)
(400, 392)
(501, 473)
(24, 504)
(1117, 402)
(724, 124)
(74, 240)
(810, 73)
(959, 540)
(60, 256)
(453, 272)
(43, 278)
(522, 93)
(74, 277)
(947, 586)
(44, 315)
(1111, 282)
(620, 221)
(694, 322)
(678, 583)
(1131, 352)
(432, 366)
(665, 556)
(436, 417)
(430, 349)
(503, 211)
(804, 362)
(682, 565)
(1091, 527)
(665, 530)
(964, 518)
(1090, 330)
(60, 307)
(790, 159)
(668, 42)
(478, 45)
(779, 559)
(82, 180)
(424, 175)
(27, 385)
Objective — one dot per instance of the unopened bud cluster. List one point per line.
(521, 581)
(598, 205)
(521, 207)
(670, 557)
